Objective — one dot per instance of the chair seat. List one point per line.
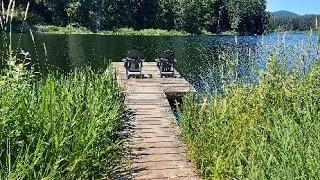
(133, 64)
(132, 60)
(165, 65)
(165, 60)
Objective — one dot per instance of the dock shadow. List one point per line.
(123, 170)
(130, 151)
(142, 76)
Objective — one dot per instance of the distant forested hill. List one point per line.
(284, 14)
(289, 21)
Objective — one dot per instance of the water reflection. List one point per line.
(201, 59)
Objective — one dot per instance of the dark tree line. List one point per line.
(194, 16)
(299, 23)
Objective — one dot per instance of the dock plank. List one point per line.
(156, 138)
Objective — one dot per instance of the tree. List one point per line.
(299, 23)
(189, 17)
(193, 16)
(146, 13)
(166, 14)
(81, 12)
(253, 17)
(58, 11)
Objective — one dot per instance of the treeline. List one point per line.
(193, 16)
(299, 23)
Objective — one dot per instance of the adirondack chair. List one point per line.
(166, 63)
(133, 64)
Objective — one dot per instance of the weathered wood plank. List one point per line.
(167, 174)
(155, 135)
(160, 158)
(163, 151)
(161, 165)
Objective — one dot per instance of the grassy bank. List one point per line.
(267, 130)
(57, 126)
(60, 128)
(122, 31)
(145, 32)
(49, 29)
(296, 32)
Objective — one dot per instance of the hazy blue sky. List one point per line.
(296, 6)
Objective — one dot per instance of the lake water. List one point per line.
(197, 55)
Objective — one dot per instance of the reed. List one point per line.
(61, 128)
(263, 130)
(57, 126)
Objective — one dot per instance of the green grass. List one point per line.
(58, 126)
(293, 32)
(61, 128)
(75, 29)
(145, 32)
(230, 33)
(266, 130)
(71, 29)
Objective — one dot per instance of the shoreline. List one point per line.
(295, 32)
(78, 30)
(51, 29)
(121, 32)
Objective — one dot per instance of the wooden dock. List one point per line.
(156, 140)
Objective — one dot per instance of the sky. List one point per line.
(297, 6)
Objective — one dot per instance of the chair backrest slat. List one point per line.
(167, 55)
(134, 55)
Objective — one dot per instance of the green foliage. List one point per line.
(70, 29)
(59, 128)
(266, 130)
(192, 16)
(166, 14)
(76, 29)
(145, 32)
(230, 33)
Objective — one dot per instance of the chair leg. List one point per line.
(160, 69)
(127, 74)
(140, 69)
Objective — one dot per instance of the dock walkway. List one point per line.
(156, 140)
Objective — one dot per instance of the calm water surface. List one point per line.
(196, 55)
